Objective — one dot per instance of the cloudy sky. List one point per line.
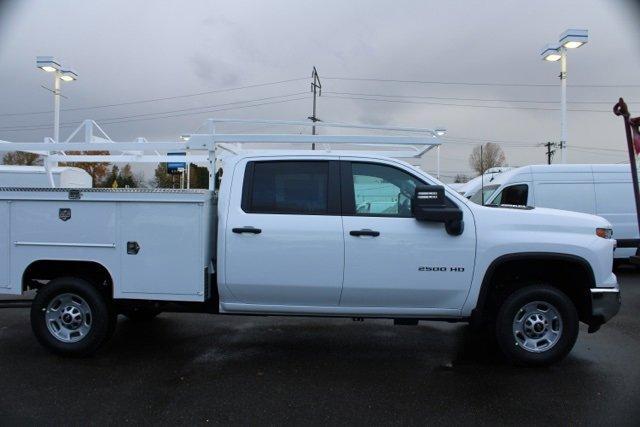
(159, 69)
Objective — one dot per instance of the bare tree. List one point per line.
(490, 157)
(21, 158)
(461, 178)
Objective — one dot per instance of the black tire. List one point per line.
(511, 344)
(100, 319)
(140, 314)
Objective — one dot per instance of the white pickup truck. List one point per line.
(317, 233)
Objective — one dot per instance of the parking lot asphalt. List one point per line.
(193, 368)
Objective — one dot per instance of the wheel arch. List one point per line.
(555, 270)
(44, 270)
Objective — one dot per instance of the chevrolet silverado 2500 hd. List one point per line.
(318, 233)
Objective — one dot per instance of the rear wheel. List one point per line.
(537, 325)
(69, 316)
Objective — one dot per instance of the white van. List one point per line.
(601, 189)
(472, 187)
(36, 176)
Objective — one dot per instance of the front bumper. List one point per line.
(605, 303)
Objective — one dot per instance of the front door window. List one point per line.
(381, 190)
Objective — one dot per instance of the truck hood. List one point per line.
(539, 219)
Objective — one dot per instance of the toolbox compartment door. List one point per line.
(161, 251)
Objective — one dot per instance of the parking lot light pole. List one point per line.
(439, 132)
(186, 138)
(563, 104)
(50, 65)
(570, 39)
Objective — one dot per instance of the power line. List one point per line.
(149, 100)
(106, 122)
(434, 82)
(523, 144)
(213, 111)
(143, 101)
(483, 140)
(465, 105)
(470, 99)
(470, 143)
(168, 111)
(604, 152)
(71, 124)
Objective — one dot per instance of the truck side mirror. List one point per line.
(429, 204)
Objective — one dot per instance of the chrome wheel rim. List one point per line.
(68, 317)
(537, 326)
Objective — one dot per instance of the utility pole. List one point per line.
(550, 152)
(481, 176)
(316, 88)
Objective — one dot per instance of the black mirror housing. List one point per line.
(429, 204)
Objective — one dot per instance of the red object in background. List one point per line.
(635, 130)
(631, 128)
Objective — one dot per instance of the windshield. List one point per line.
(487, 191)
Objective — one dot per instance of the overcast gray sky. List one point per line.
(129, 51)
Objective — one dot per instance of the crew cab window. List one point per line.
(380, 190)
(287, 187)
(514, 195)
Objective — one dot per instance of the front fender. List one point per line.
(593, 252)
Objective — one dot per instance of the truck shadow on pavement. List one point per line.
(227, 341)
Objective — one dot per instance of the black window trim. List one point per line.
(525, 183)
(348, 194)
(333, 187)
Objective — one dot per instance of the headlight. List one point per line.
(605, 233)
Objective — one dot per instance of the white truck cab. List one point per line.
(319, 233)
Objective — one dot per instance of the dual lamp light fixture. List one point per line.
(50, 65)
(570, 39)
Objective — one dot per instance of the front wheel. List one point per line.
(537, 326)
(70, 317)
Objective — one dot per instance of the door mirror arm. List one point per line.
(454, 227)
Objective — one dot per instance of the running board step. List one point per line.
(18, 303)
(405, 322)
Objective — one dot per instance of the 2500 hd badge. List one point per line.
(455, 269)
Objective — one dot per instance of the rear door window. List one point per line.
(289, 187)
